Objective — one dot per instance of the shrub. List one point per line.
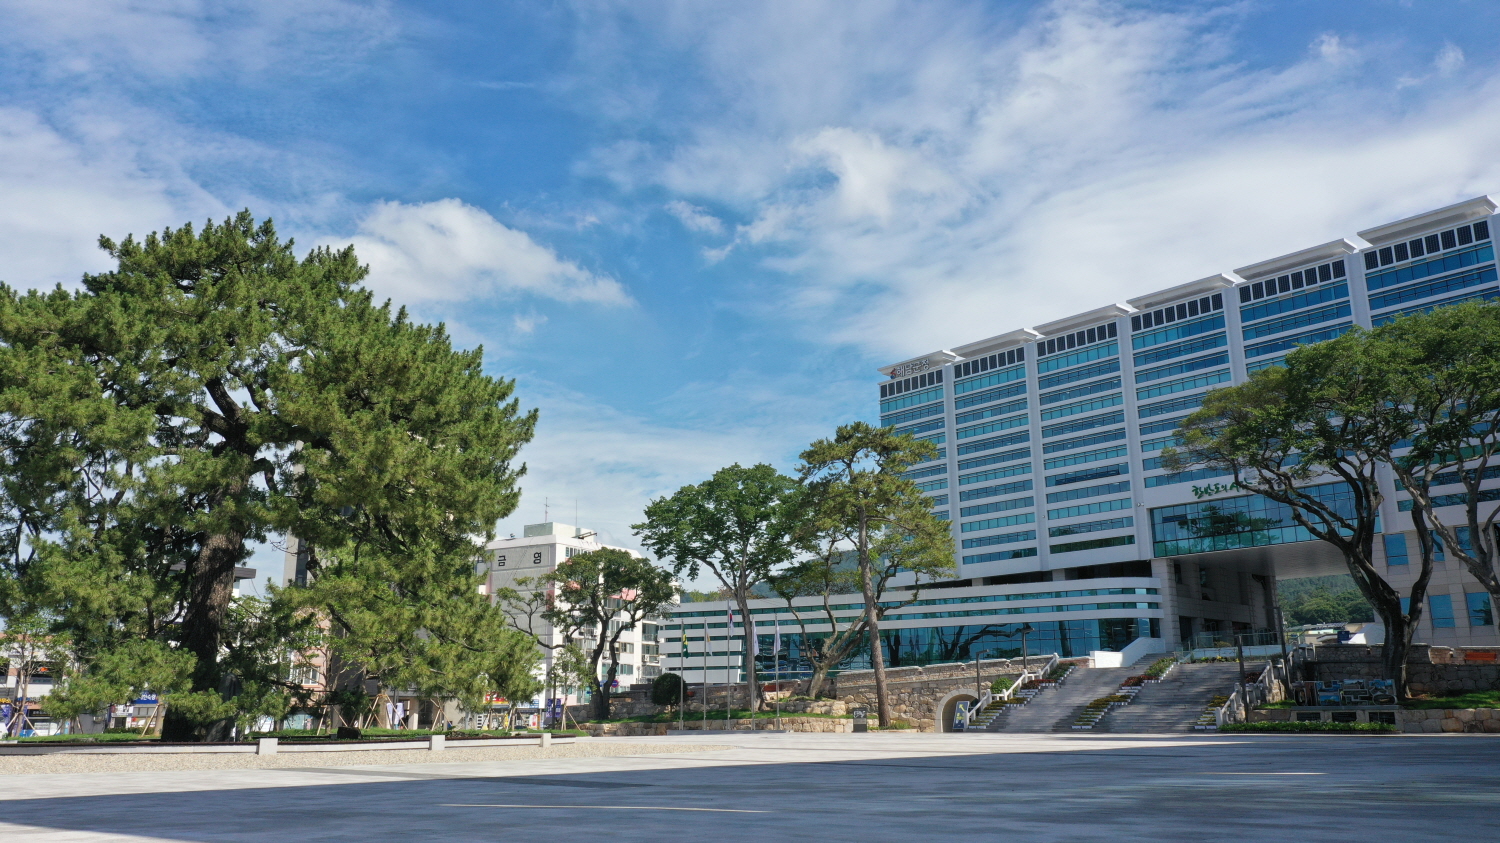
(1159, 668)
(1306, 726)
(1001, 684)
(668, 689)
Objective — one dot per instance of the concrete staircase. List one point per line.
(1174, 704)
(1054, 710)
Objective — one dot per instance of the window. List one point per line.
(995, 474)
(1020, 553)
(1196, 364)
(1480, 611)
(912, 415)
(1080, 391)
(933, 485)
(1202, 577)
(1161, 426)
(897, 387)
(1177, 572)
(1432, 243)
(1083, 407)
(1177, 312)
(938, 500)
(1085, 457)
(1078, 339)
(1182, 385)
(625, 670)
(1186, 477)
(992, 379)
(1162, 408)
(1288, 343)
(1181, 349)
(1173, 333)
(921, 427)
(1297, 320)
(995, 442)
(1292, 281)
(1441, 607)
(998, 360)
(1395, 549)
(993, 427)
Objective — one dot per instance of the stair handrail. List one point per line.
(988, 697)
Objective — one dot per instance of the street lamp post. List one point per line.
(1025, 630)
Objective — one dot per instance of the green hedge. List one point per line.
(1306, 726)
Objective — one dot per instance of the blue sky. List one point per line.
(692, 230)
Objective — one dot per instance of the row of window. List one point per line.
(996, 442)
(998, 555)
(1105, 367)
(1078, 358)
(1391, 316)
(1088, 474)
(1091, 527)
(1292, 281)
(1077, 339)
(1161, 426)
(1088, 509)
(1084, 441)
(1291, 303)
(1000, 538)
(911, 400)
(911, 415)
(1180, 331)
(992, 379)
(1181, 368)
(1177, 312)
(994, 474)
(1186, 477)
(926, 472)
(922, 427)
(1181, 349)
(1064, 428)
(1289, 343)
(1085, 457)
(998, 360)
(1146, 411)
(1080, 391)
(994, 459)
(989, 412)
(1297, 320)
(1426, 269)
(997, 506)
(1431, 244)
(1091, 544)
(990, 395)
(996, 523)
(1089, 492)
(992, 427)
(1403, 295)
(1182, 385)
(1083, 407)
(993, 491)
(893, 388)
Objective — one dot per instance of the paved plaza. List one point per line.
(816, 787)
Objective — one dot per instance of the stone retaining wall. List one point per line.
(1430, 670)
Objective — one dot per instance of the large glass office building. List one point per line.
(1049, 463)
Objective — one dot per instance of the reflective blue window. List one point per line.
(1395, 549)
(1441, 607)
(1481, 613)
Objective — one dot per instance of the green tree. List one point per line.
(211, 392)
(1291, 433)
(1315, 600)
(859, 499)
(599, 596)
(738, 525)
(668, 690)
(1446, 367)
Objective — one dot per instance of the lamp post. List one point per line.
(1025, 630)
(977, 684)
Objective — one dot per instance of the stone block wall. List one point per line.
(791, 724)
(1435, 671)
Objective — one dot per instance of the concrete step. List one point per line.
(1060, 705)
(1174, 704)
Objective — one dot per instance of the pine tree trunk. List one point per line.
(748, 657)
(210, 587)
(877, 654)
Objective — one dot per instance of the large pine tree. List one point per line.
(214, 392)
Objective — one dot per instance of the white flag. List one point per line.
(776, 646)
(754, 639)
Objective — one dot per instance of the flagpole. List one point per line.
(705, 674)
(776, 654)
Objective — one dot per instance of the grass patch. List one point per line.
(1474, 699)
(1306, 726)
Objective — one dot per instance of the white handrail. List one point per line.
(988, 697)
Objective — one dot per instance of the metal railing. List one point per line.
(988, 697)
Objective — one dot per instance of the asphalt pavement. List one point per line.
(823, 787)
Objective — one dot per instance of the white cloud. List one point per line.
(952, 176)
(694, 218)
(1449, 60)
(449, 251)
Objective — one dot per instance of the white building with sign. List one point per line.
(1049, 463)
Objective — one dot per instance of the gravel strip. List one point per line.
(151, 762)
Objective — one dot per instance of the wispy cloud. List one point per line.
(449, 251)
(951, 174)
